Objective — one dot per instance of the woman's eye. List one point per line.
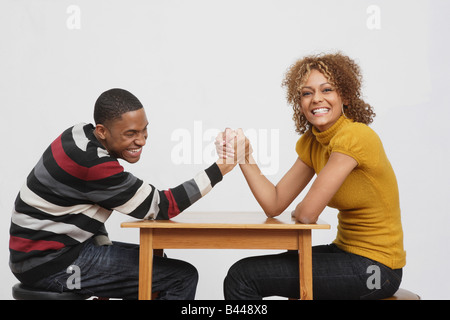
(304, 94)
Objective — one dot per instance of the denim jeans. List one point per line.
(113, 272)
(336, 275)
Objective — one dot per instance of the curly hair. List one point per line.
(342, 72)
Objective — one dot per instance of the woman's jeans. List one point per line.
(336, 275)
(113, 272)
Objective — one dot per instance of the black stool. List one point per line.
(403, 294)
(23, 292)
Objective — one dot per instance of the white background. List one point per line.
(221, 63)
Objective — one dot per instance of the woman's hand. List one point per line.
(234, 147)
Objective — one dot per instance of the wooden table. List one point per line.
(225, 230)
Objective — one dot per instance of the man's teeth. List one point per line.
(320, 110)
(134, 150)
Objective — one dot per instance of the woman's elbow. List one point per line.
(306, 214)
(307, 220)
(271, 213)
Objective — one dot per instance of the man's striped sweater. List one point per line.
(72, 191)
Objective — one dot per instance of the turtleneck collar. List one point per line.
(325, 137)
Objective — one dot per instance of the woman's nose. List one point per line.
(318, 97)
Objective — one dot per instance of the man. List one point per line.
(58, 220)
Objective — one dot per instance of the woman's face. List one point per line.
(320, 102)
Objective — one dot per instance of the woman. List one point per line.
(353, 175)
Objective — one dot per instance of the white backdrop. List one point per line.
(199, 66)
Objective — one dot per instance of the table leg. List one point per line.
(305, 264)
(145, 263)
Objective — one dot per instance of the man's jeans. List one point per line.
(336, 275)
(113, 272)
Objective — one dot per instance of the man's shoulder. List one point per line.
(80, 144)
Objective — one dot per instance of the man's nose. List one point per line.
(141, 139)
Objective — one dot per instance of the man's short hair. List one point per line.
(111, 104)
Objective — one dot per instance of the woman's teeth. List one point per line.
(320, 110)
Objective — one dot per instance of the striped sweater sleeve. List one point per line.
(147, 202)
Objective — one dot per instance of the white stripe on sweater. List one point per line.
(71, 230)
(93, 211)
(79, 136)
(203, 183)
(141, 194)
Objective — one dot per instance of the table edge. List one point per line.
(168, 224)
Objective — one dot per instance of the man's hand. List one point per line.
(233, 147)
(225, 146)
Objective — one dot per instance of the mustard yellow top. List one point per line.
(368, 200)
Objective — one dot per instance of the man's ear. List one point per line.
(100, 130)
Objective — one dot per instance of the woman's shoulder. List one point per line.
(305, 142)
(303, 147)
(357, 140)
(356, 131)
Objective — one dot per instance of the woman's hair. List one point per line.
(340, 71)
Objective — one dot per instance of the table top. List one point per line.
(226, 220)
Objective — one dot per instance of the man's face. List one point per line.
(125, 137)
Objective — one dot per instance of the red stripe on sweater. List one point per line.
(100, 171)
(173, 207)
(27, 245)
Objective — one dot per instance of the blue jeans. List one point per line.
(113, 272)
(336, 275)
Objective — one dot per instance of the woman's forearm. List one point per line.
(274, 199)
(263, 190)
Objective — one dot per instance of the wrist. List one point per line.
(225, 167)
(248, 160)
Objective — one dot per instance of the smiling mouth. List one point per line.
(134, 152)
(320, 111)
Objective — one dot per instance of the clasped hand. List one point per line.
(233, 147)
